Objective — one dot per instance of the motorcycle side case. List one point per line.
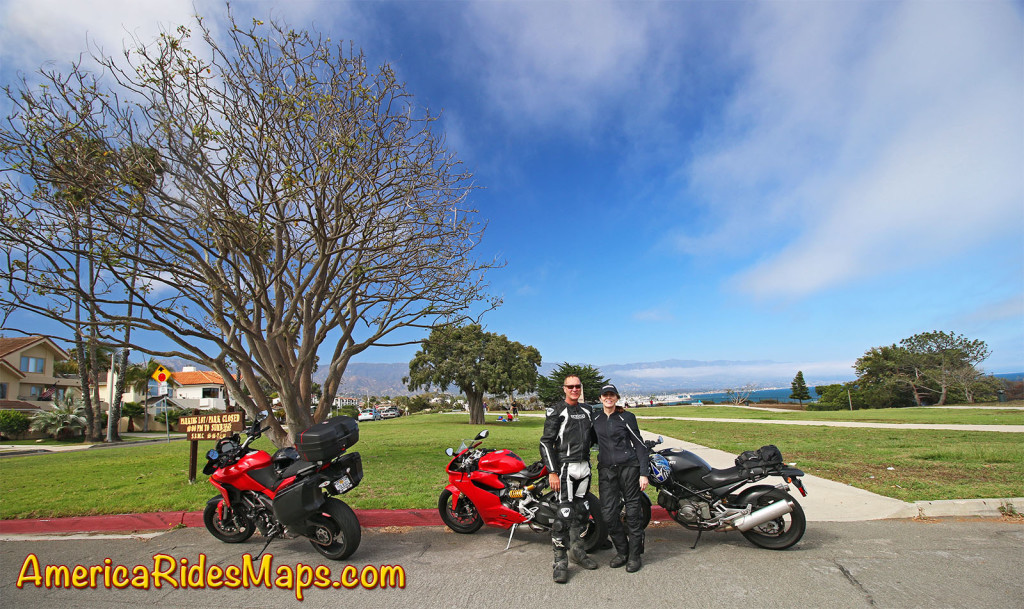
(325, 441)
(294, 504)
(350, 465)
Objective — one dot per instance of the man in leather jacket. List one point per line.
(565, 450)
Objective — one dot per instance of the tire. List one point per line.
(782, 532)
(645, 511)
(596, 532)
(235, 527)
(464, 518)
(335, 532)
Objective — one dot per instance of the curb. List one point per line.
(162, 521)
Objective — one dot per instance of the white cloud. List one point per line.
(39, 31)
(561, 62)
(875, 137)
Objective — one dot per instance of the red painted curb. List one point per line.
(160, 521)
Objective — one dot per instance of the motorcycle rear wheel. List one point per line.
(234, 527)
(336, 533)
(645, 511)
(596, 531)
(464, 518)
(782, 532)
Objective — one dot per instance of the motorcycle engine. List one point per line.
(691, 512)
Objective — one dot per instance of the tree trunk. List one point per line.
(114, 416)
(476, 407)
(84, 376)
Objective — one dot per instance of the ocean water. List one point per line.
(782, 395)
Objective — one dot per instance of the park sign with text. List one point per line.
(211, 426)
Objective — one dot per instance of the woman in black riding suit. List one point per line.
(623, 467)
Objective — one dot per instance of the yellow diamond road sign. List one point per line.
(161, 375)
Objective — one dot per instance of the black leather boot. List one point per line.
(560, 570)
(636, 546)
(577, 550)
(621, 551)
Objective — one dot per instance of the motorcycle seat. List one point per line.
(533, 470)
(721, 477)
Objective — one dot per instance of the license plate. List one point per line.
(342, 484)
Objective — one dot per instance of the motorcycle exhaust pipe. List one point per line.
(763, 515)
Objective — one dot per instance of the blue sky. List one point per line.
(785, 181)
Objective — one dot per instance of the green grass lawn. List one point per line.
(404, 462)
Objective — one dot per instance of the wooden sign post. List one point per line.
(207, 427)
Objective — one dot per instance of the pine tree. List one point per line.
(799, 387)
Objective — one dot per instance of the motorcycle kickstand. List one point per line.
(696, 541)
(509, 544)
(269, 539)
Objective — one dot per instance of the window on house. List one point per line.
(3, 391)
(211, 392)
(32, 364)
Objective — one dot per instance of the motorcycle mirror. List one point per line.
(212, 454)
(450, 452)
(660, 439)
(264, 414)
(481, 435)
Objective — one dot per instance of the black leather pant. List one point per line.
(622, 483)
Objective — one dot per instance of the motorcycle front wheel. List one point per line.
(335, 532)
(231, 526)
(782, 532)
(463, 517)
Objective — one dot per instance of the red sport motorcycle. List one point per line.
(496, 487)
(289, 492)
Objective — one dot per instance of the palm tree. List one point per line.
(63, 421)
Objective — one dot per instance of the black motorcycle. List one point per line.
(702, 498)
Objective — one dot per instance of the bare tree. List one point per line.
(302, 201)
(741, 396)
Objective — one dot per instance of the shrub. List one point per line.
(173, 414)
(13, 423)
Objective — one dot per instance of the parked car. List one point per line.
(390, 412)
(369, 414)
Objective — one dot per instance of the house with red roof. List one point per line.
(199, 389)
(27, 379)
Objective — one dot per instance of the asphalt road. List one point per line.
(883, 563)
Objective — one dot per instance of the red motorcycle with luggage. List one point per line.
(497, 488)
(290, 493)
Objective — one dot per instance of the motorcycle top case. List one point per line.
(325, 441)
